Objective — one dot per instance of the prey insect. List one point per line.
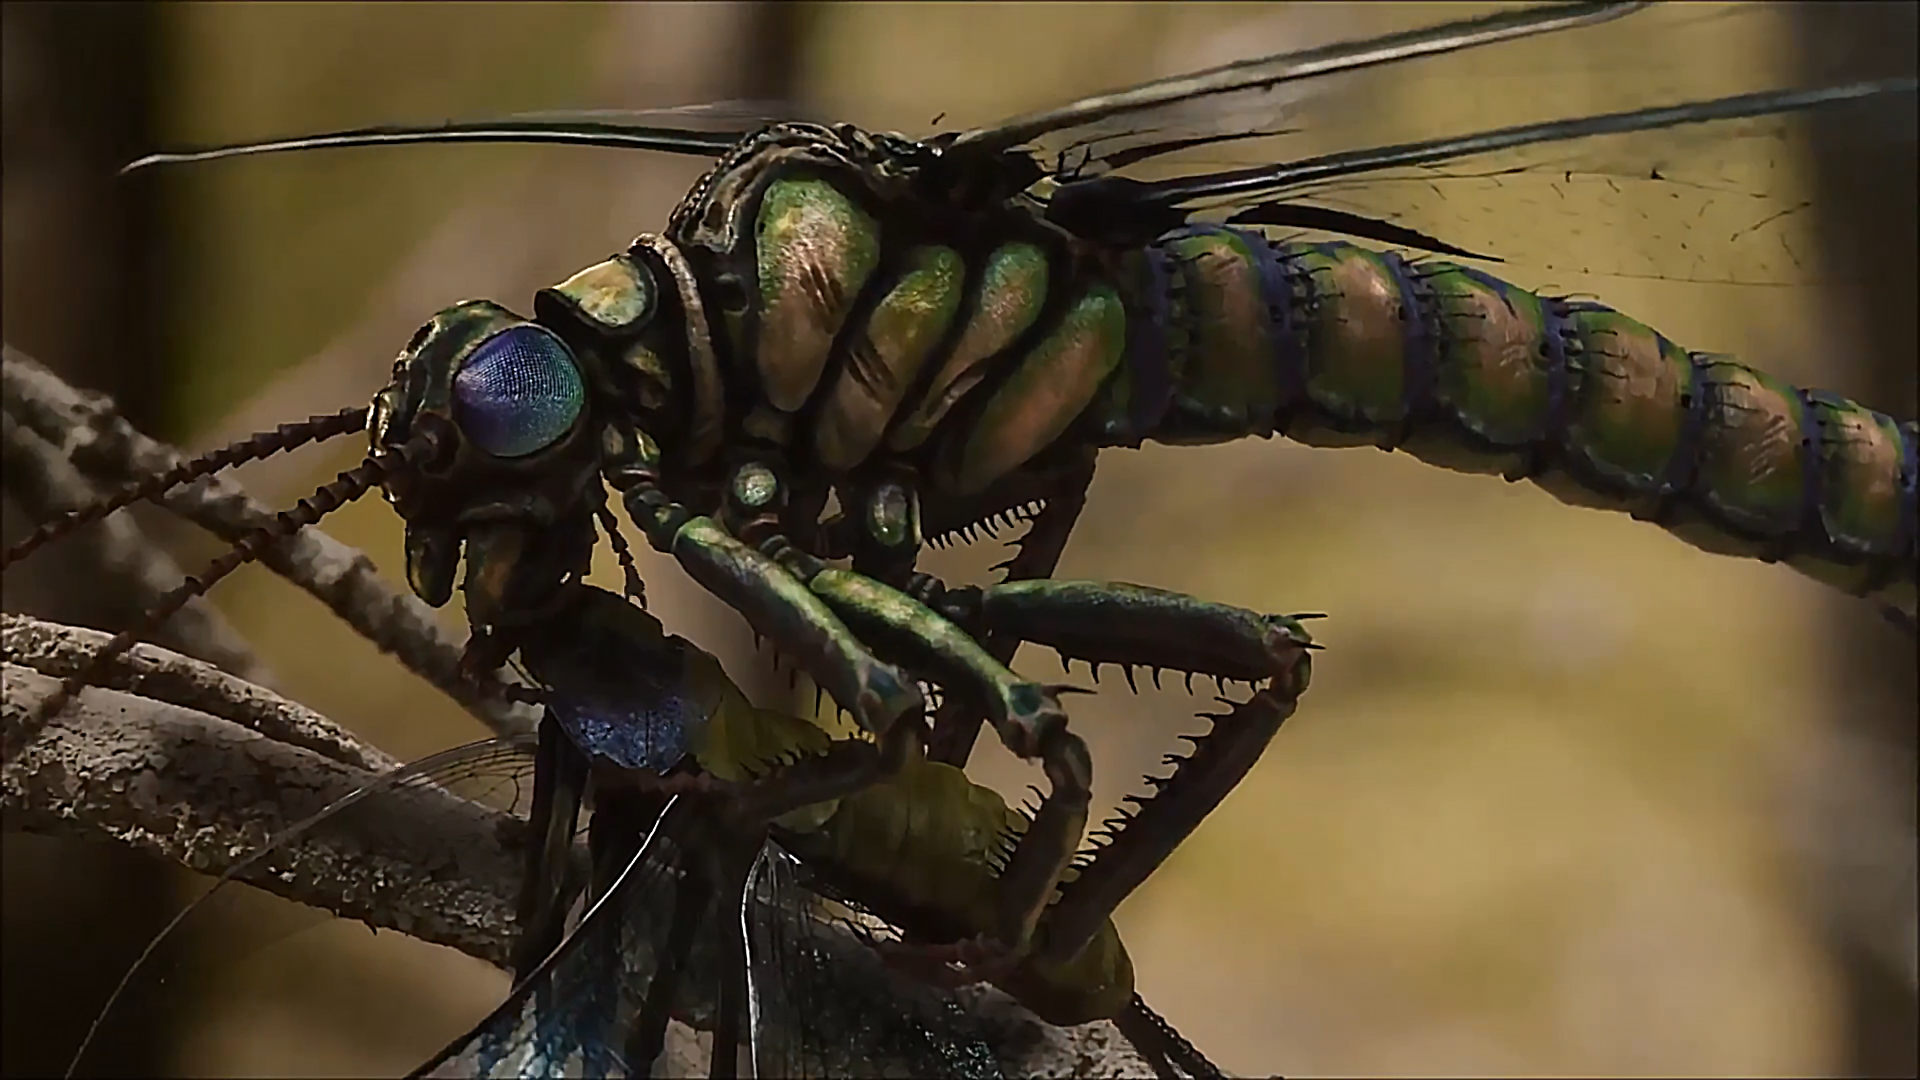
(720, 840)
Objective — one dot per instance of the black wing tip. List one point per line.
(1356, 226)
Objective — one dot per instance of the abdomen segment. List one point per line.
(1472, 373)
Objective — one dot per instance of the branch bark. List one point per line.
(178, 759)
(47, 484)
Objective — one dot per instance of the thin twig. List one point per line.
(205, 791)
(90, 433)
(152, 672)
(46, 483)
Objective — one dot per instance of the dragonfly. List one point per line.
(1199, 329)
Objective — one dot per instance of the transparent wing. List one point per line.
(1253, 89)
(738, 115)
(1716, 195)
(649, 948)
(576, 1013)
(823, 1004)
(1674, 135)
(487, 780)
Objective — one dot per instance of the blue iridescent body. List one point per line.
(626, 710)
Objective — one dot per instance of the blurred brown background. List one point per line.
(1566, 797)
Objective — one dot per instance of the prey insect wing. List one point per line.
(653, 945)
(568, 1017)
(816, 1011)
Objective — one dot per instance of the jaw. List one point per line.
(516, 567)
(517, 571)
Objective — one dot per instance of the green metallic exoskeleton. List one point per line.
(938, 333)
(1336, 345)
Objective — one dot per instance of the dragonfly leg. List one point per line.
(1132, 626)
(1168, 1053)
(846, 766)
(956, 723)
(1026, 715)
(774, 602)
(799, 601)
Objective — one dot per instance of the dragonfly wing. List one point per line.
(1686, 183)
(1124, 109)
(822, 1003)
(1659, 140)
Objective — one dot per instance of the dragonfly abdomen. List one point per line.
(1232, 335)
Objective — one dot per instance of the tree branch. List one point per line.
(46, 484)
(87, 431)
(178, 759)
(205, 791)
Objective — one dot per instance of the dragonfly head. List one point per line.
(514, 477)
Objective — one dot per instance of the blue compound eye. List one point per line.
(518, 393)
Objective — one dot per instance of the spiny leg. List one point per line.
(955, 725)
(882, 533)
(781, 590)
(881, 530)
(846, 766)
(774, 603)
(799, 601)
(1130, 625)
(916, 637)
(1026, 715)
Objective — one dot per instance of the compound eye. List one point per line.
(518, 393)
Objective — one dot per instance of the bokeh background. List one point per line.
(1567, 796)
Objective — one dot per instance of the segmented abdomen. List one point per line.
(1230, 334)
